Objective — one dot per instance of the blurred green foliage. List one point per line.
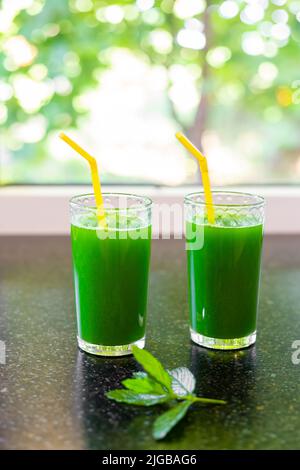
(239, 79)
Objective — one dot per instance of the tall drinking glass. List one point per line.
(224, 268)
(111, 266)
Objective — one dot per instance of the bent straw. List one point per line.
(95, 176)
(204, 172)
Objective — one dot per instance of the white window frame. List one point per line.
(43, 210)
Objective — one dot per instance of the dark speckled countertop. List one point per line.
(51, 394)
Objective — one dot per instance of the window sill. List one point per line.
(43, 210)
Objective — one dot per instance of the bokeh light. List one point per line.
(252, 13)
(114, 14)
(19, 51)
(188, 8)
(191, 39)
(3, 113)
(280, 31)
(144, 5)
(161, 41)
(30, 131)
(280, 16)
(268, 71)
(31, 94)
(294, 6)
(229, 9)
(38, 72)
(253, 43)
(218, 56)
(6, 91)
(83, 5)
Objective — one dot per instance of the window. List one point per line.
(123, 76)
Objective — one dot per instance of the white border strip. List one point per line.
(44, 210)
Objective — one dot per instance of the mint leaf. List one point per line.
(183, 382)
(153, 367)
(165, 422)
(139, 399)
(144, 385)
(158, 386)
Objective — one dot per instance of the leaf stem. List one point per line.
(195, 399)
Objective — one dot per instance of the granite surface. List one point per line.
(51, 394)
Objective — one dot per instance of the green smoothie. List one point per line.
(111, 279)
(223, 276)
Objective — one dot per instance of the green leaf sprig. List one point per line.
(160, 386)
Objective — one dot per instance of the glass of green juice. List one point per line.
(111, 267)
(223, 262)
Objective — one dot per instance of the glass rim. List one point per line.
(147, 202)
(261, 202)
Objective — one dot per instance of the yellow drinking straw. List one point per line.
(95, 176)
(204, 172)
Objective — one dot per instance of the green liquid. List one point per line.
(111, 282)
(223, 275)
